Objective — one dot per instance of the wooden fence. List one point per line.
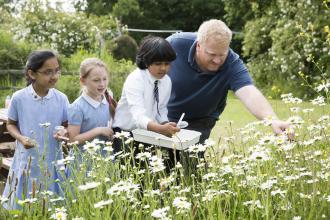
(16, 75)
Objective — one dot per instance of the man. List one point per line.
(202, 74)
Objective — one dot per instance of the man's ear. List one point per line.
(82, 80)
(198, 46)
(31, 74)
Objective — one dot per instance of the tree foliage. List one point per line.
(98, 7)
(289, 44)
(127, 10)
(285, 43)
(13, 53)
(184, 15)
(63, 31)
(282, 41)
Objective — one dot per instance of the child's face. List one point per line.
(46, 77)
(96, 82)
(159, 69)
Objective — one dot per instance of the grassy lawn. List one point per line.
(237, 116)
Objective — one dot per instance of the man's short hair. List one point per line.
(215, 29)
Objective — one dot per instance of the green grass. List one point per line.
(236, 116)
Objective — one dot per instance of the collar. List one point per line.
(92, 101)
(191, 57)
(35, 96)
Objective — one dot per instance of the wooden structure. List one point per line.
(7, 144)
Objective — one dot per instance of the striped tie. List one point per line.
(156, 95)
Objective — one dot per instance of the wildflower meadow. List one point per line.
(252, 175)
(247, 173)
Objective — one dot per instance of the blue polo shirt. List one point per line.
(201, 94)
(89, 113)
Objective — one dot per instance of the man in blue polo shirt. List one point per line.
(202, 74)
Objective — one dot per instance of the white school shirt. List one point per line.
(137, 106)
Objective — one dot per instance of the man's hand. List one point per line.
(279, 127)
(258, 105)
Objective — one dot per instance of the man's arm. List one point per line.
(258, 105)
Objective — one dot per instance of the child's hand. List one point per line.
(61, 135)
(106, 131)
(169, 129)
(27, 142)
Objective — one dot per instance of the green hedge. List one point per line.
(119, 70)
(69, 82)
(13, 53)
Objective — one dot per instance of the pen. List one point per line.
(177, 125)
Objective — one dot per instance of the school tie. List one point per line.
(156, 94)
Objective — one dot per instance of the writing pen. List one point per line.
(180, 120)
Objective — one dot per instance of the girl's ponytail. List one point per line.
(112, 103)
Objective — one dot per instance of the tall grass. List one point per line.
(256, 175)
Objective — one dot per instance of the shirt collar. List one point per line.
(191, 57)
(93, 102)
(35, 96)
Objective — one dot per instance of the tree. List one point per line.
(287, 41)
(127, 10)
(96, 7)
(62, 31)
(237, 13)
(184, 15)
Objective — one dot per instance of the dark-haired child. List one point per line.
(145, 94)
(146, 91)
(34, 113)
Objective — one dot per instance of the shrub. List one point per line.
(118, 73)
(123, 47)
(290, 38)
(69, 85)
(13, 53)
(64, 32)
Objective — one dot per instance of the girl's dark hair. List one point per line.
(154, 49)
(35, 61)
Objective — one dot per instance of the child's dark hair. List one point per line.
(154, 49)
(35, 61)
